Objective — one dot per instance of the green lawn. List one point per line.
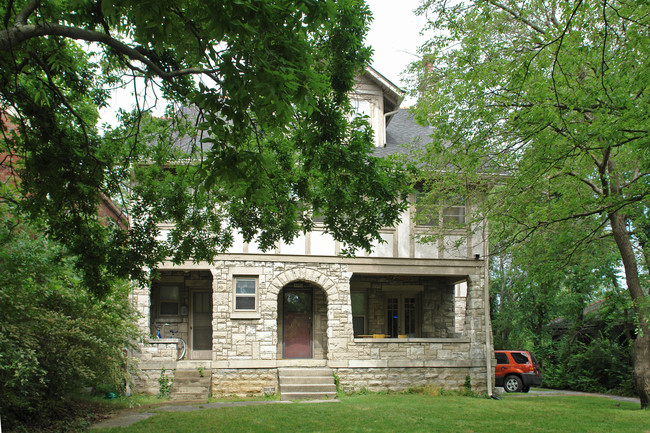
(412, 413)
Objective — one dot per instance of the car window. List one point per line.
(520, 358)
(501, 358)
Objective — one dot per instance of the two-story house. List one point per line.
(388, 320)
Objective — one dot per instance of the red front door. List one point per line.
(297, 312)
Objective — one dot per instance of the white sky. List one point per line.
(395, 36)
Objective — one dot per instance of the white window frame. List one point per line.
(247, 274)
(245, 295)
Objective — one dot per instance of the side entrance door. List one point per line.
(297, 323)
(201, 325)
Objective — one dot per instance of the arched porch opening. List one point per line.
(302, 321)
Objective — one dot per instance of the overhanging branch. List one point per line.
(14, 36)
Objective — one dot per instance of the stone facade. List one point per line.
(247, 350)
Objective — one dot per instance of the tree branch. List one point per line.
(16, 35)
(588, 182)
(518, 16)
(21, 18)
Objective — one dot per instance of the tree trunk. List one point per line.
(642, 342)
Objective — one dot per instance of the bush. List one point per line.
(55, 337)
(599, 364)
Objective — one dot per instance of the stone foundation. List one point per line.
(149, 362)
(400, 379)
(244, 382)
(264, 381)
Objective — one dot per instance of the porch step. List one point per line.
(306, 383)
(190, 385)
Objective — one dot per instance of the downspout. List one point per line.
(486, 303)
(390, 113)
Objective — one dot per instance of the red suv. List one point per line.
(516, 370)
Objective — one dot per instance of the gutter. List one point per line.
(390, 113)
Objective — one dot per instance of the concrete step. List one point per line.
(306, 379)
(308, 396)
(305, 372)
(188, 396)
(193, 365)
(189, 379)
(190, 385)
(313, 387)
(191, 373)
(307, 383)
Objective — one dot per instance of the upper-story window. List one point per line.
(361, 106)
(432, 214)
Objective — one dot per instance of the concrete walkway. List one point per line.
(125, 418)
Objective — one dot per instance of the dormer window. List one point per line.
(361, 107)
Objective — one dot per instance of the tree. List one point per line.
(541, 300)
(548, 100)
(257, 136)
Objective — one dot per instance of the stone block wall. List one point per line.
(438, 317)
(149, 361)
(244, 382)
(399, 379)
(413, 351)
(259, 337)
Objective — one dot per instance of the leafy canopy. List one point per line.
(256, 136)
(546, 100)
(543, 96)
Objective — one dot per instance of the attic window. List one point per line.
(361, 106)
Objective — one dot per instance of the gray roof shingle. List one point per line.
(403, 130)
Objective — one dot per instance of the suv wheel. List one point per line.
(512, 384)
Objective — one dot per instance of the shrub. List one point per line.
(55, 336)
(600, 364)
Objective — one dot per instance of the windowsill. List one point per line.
(449, 230)
(412, 340)
(245, 315)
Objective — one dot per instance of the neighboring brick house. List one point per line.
(107, 211)
(388, 320)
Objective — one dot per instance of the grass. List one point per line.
(412, 413)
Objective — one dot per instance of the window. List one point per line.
(361, 106)
(169, 301)
(359, 312)
(453, 215)
(245, 294)
(423, 208)
(519, 358)
(501, 358)
(403, 316)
